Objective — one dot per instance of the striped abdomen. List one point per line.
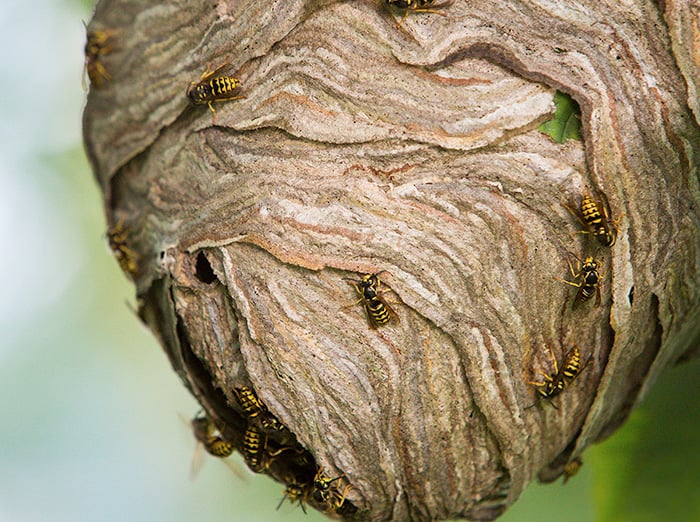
(572, 364)
(409, 4)
(378, 311)
(253, 448)
(250, 404)
(218, 447)
(597, 222)
(588, 286)
(221, 87)
(204, 429)
(591, 214)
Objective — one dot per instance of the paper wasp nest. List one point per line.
(366, 144)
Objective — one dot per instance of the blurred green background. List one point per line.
(92, 425)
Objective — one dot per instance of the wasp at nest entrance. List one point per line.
(268, 447)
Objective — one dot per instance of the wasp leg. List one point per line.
(341, 498)
(554, 360)
(577, 285)
(434, 11)
(574, 273)
(102, 71)
(213, 113)
(355, 303)
(398, 25)
(211, 107)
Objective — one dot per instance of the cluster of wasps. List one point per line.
(267, 446)
(586, 279)
(587, 276)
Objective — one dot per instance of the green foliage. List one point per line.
(566, 123)
(570, 502)
(649, 470)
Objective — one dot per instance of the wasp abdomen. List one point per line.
(253, 448)
(416, 5)
(204, 428)
(378, 311)
(598, 222)
(554, 383)
(250, 404)
(218, 447)
(572, 364)
(214, 89)
(211, 88)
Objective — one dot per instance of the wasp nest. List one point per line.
(366, 237)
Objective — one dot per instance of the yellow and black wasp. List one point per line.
(204, 431)
(97, 45)
(254, 447)
(415, 6)
(326, 494)
(208, 437)
(587, 278)
(117, 236)
(250, 404)
(378, 310)
(555, 382)
(211, 88)
(296, 492)
(572, 468)
(595, 217)
(253, 408)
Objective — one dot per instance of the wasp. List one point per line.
(296, 492)
(587, 278)
(572, 468)
(253, 408)
(117, 236)
(554, 383)
(253, 449)
(204, 429)
(211, 88)
(326, 495)
(378, 310)
(415, 6)
(250, 404)
(96, 46)
(596, 218)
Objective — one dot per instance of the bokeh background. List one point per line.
(92, 414)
